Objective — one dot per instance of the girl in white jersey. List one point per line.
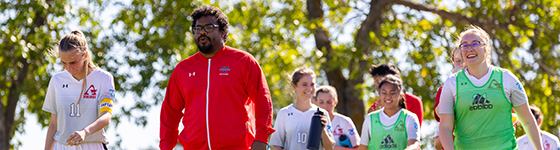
(344, 130)
(391, 127)
(293, 122)
(80, 99)
(478, 101)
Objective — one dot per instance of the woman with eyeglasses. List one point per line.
(478, 101)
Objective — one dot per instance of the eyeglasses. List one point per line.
(207, 28)
(474, 45)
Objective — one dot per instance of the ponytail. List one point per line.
(77, 41)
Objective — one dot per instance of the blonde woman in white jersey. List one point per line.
(80, 99)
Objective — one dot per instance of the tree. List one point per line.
(30, 29)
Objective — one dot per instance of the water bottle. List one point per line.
(344, 141)
(315, 130)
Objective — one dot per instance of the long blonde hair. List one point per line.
(77, 41)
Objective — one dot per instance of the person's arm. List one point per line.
(326, 137)
(49, 105)
(447, 116)
(413, 144)
(366, 133)
(277, 139)
(436, 108)
(437, 142)
(49, 143)
(258, 91)
(446, 131)
(363, 147)
(412, 132)
(520, 102)
(78, 137)
(345, 148)
(529, 125)
(171, 114)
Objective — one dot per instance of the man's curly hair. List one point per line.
(208, 10)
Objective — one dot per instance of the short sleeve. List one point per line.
(447, 98)
(412, 127)
(514, 89)
(278, 138)
(49, 104)
(354, 136)
(366, 131)
(108, 89)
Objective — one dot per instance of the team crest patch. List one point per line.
(337, 130)
(91, 93)
(400, 126)
(495, 85)
(224, 70)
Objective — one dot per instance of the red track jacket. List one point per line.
(225, 99)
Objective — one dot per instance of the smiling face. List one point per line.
(73, 62)
(305, 87)
(389, 95)
(474, 56)
(326, 101)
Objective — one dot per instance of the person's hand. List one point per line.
(324, 120)
(258, 145)
(76, 138)
(437, 143)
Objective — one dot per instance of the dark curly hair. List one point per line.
(384, 69)
(208, 10)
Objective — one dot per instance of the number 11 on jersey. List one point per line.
(75, 110)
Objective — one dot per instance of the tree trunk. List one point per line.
(8, 112)
(348, 101)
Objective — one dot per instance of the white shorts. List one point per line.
(83, 146)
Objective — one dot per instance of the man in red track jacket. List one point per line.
(219, 93)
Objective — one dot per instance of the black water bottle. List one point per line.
(315, 130)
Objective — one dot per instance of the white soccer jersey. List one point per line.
(411, 123)
(292, 127)
(344, 125)
(549, 141)
(63, 94)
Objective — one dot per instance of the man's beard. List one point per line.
(206, 49)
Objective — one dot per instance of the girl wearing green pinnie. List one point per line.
(392, 127)
(478, 101)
